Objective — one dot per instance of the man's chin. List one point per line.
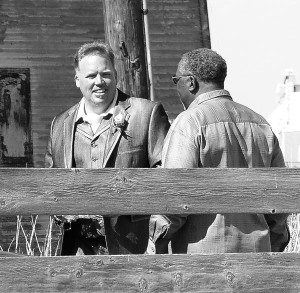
(99, 100)
(98, 97)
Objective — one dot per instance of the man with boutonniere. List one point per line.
(105, 129)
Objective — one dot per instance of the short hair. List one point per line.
(97, 47)
(205, 64)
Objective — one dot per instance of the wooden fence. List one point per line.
(150, 191)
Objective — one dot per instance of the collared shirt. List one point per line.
(91, 135)
(217, 132)
(92, 118)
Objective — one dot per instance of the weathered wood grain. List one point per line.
(261, 272)
(10, 254)
(124, 32)
(135, 191)
(148, 191)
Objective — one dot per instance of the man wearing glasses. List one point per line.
(217, 132)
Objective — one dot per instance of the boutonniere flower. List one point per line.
(120, 119)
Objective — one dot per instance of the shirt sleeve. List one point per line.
(279, 231)
(180, 151)
(158, 128)
(181, 148)
(277, 158)
(162, 228)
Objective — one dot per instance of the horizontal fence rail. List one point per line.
(254, 272)
(148, 191)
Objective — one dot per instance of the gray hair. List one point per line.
(205, 64)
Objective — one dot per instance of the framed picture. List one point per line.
(15, 118)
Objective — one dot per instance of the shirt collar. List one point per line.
(92, 117)
(210, 95)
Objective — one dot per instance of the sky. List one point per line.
(259, 39)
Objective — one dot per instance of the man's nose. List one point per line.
(99, 79)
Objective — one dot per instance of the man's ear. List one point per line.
(193, 84)
(76, 80)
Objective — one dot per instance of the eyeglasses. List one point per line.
(176, 78)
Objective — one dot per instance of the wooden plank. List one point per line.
(263, 272)
(148, 191)
(11, 254)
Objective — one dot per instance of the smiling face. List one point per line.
(96, 78)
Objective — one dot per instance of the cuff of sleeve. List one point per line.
(159, 226)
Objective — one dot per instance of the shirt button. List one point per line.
(94, 159)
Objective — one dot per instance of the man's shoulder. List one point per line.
(137, 103)
(65, 113)
(143, 102)
(186, 121)
(250, 114)
(144, 106)
(190, 114)
(224, 110)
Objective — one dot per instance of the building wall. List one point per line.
(43, 36)
(285, 123)
(175, 26)
(290, 145)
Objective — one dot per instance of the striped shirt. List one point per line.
(217, 132)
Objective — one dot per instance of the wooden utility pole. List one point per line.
(125, 34)
(204, 24)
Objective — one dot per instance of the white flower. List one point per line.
(119, 119)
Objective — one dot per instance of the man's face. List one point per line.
(182, 89)
(96, 78)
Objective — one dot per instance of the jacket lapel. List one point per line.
(115, 135)
(69, 126)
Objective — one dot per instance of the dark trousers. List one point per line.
(75, 240)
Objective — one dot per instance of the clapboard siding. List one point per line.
(175, 27)
(43, 36)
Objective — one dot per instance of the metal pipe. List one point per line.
(148, 52)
